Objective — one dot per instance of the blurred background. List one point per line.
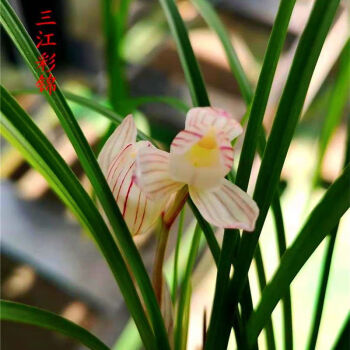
(46, 259)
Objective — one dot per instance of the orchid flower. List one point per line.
(117, 161)
(200, 157)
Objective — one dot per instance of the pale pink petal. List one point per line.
(226, 152)
(201, 119)
(152, 173)
(140, 213)
(123, 135)
(198, 163)
(226, 207)
(184, 140)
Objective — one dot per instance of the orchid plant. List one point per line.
(141, 188)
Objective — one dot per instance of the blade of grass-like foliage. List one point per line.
(29, 52)
(19, 129)
(208, 13)
(264, 85)
(171, 101)
(287, 299)
(114, 20)
(176, 254)
(342, 342)
(208, 232)
(328, 211)
(322, 290)
(181, 325)
(270, 337)
(91, 104)
(109, 113)
(335, 108)
(16, 312)
(326, 266)
(272, 54)
(189, 63)
(289, 109)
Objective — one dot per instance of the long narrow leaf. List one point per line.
(208, 232)
(329, 210)
(114, 20)
(270, 337)
(206, 10)
(91, 104)
(19, 129)
(273, 51)
(338, 99)
(289, 109)
(189, 63)
(342, 341)
(326, 267)
(98, 107)
(322, 290)
(253, 133)
(176, 254)
(17, 312)
(180, 332)
(287, 299)
(26, 47)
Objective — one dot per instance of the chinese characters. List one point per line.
(47, 60)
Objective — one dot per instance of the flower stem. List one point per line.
(157, 277)
(168, 217)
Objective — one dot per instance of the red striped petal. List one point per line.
(226, 207)
(184, 140)
(200, 119)
(139, 212)
(152, 173)
(123, 135)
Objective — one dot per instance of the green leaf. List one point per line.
(176, 254)
(322, 289)
(342, 342)
(208, 232)
(171, 101)
(326, 267)
(321, 221)
(289, 109)
(21, 313)
(207, 11)
(282, 246)
(114, 25)
(91, 104)
(29, 52)
(254, 131)
(180, 332)
(18, 128)
(189, 64)
(257, 111)
(270, 337)
(336, 106)
(116, 118)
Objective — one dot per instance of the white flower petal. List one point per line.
(226, 152)
(200, 160)
(226, 207)
(140, 213)
(123, 135)
(184, 140)
(152, 173)
(201, 119)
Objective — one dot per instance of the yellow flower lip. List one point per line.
(208, 141)
(205, 152)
